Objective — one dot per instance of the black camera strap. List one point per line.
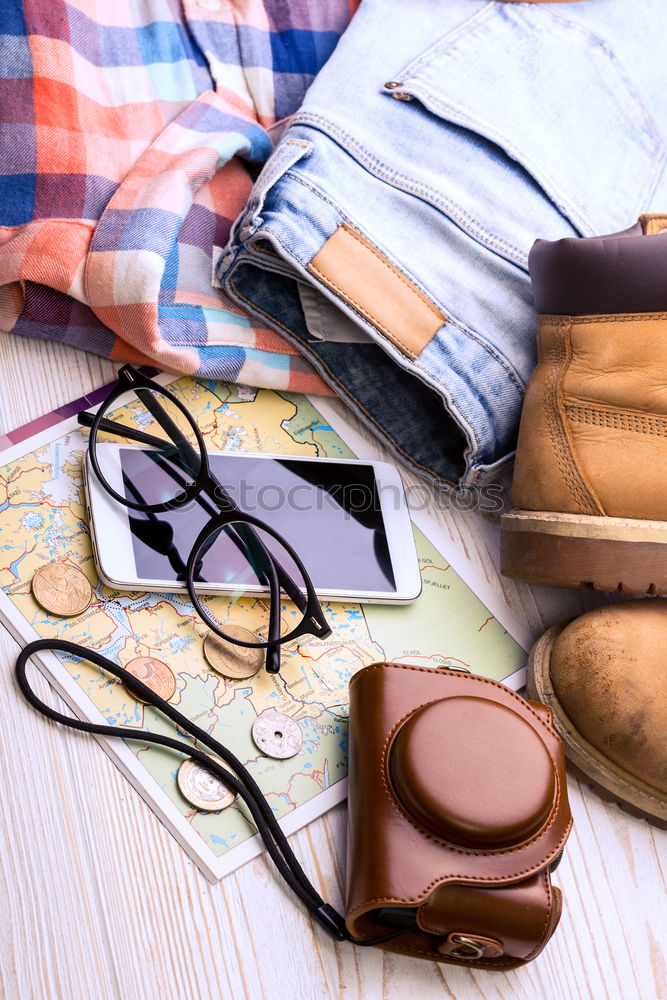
(240, 782)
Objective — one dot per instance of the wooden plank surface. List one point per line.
(98, 902)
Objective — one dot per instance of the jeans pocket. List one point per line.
(550, 98)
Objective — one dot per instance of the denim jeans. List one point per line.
(388, 235)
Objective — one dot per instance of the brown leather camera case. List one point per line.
(457, 808)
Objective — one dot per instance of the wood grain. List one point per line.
(98, 902)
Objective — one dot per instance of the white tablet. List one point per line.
(347, 520)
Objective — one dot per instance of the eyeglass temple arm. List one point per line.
(114, 427)
(168, 425)
(87, 419)
(250, 538)
(176, 438)
(272, 659)
(268, 575)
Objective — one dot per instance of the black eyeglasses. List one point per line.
(168, 473)
(171, 471)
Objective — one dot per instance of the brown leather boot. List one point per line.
(590, 480)
(603, 676)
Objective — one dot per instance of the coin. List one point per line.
(155, 674)
(276, 734)
(202, 788)
(61, 589)
(237, 662)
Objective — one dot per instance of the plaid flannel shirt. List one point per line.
(131, 132)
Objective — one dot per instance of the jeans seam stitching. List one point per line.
(456, 212)
(467, 333)
(471, 336)
(351, 223)
(599, 41)
(620, 68)
(545, 181)
(519, 384)
(448, 41)
(355, 306)
(504, 364)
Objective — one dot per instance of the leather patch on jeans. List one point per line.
(377, 290)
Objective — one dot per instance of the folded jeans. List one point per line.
(387, 236)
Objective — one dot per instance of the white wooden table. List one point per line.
(98, 902)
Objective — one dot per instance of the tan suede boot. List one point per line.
(604, 678)
(590, 480)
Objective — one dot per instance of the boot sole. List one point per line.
(607, 778)
(579, 550)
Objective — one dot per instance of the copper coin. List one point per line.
(155, 674)
(203, 789)
(236, 662)
(61, 589)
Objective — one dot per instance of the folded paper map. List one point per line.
(43, 518)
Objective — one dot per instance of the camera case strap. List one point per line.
(457, 809)
(458, 813)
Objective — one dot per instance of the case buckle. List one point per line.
(470, 947)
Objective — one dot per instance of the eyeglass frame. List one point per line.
(313, 621)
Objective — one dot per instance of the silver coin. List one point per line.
(276, 734)
(203, 789)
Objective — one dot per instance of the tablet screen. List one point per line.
(330, 513)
